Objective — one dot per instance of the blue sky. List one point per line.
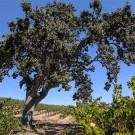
(10, 9)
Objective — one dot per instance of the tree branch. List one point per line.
(82, 44)
(96, 58)
(37, 85)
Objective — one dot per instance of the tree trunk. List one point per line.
(30, 104)
(27, 115)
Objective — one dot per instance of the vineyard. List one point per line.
(117, 117)
(92, 117)
(44, 115)
(41, 108)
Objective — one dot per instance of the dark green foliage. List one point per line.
(46, 49)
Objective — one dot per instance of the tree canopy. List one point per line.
(46, 49)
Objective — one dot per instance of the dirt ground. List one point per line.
(50, 125)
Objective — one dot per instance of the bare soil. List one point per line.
(50, 125)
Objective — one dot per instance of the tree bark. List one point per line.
(27, 115)
(30, 103)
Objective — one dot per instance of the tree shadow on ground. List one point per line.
(55, 128)
(48, 128)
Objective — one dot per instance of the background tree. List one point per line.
(46, 49)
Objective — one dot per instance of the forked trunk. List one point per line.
(30, 104)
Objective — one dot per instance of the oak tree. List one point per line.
(50, 47)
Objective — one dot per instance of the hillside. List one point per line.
(47, 119)
(49, 108)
